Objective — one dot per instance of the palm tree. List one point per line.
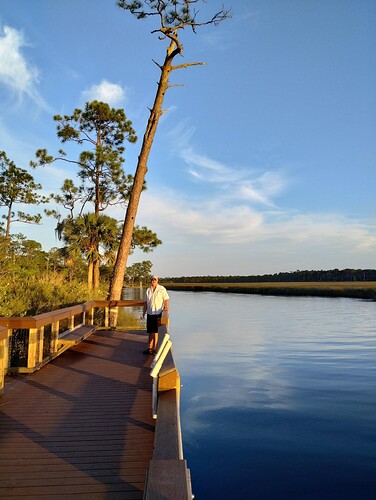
(89, 235)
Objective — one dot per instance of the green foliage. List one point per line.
(33, 281)
(144, 239)
(17, 186)
(173, 14)
(20, 258)
(340, 275)
(86, 233)
(138, 272)
(68, 199)
(101, 130)
(41, 294)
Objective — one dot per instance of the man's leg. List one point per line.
(153, 341)
(151, 322)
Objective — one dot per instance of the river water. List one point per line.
(279, 395)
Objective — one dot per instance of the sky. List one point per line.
(264, 161)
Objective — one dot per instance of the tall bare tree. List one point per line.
(173, 16)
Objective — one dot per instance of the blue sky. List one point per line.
(265, 160)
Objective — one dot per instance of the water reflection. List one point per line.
(279, 395)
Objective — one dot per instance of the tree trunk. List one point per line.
(7, 231)
(90, 275)
(96, 265)
(138, 182)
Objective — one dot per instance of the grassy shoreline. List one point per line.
(351, 289)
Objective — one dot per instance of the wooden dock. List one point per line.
(82, 425)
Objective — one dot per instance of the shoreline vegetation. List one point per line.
(349, 289)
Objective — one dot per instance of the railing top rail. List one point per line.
(59, 314)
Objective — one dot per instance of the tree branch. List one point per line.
(187, 65)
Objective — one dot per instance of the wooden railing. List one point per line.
(168, 475)
(27, 343)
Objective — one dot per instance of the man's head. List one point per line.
(154, 280)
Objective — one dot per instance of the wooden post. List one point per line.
(32, 348)
(88, 316)
(40, 341)
(6, 352)
(55, 336)
(164, 324)
(71, 322)
(3, 356)
(106, 316)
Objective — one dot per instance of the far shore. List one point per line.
(349, 289)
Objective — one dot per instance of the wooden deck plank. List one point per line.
(81, 426)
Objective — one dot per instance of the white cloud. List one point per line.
(252, 186)
(236, 226)
(323, 231)
(211, 237)
(185, 220)
(111, 93)
(15, 71)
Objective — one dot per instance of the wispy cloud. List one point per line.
(211, 222)
(226, 37)
(321, 230)
(238, 226)
(247, 184)
(16, 72)
(111, 93)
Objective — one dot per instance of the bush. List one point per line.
(38, 295)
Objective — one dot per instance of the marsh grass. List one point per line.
(128, 319)
(350, 289)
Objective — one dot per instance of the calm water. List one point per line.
(278, 397)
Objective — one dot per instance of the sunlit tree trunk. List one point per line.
(96, 265)
(138, 183)
(174, 15)
(90, 274)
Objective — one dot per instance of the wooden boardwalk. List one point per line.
(81, 426)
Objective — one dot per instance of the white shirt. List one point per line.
(155, 299)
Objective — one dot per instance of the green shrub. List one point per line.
(41, 294)
(128, 319)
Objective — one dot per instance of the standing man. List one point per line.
(156, 301)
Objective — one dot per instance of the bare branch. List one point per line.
(159, 66)
(187, 65)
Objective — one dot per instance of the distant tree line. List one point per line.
(294, 276)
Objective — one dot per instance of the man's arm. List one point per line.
(145, 307)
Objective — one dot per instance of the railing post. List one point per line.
(106, 316)
(40, 336)
(71, 322)
(55, 336)
(4, 356)
(91, 314)
(32, 351)
(6, 351)
(164, 324)
(88, 316)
